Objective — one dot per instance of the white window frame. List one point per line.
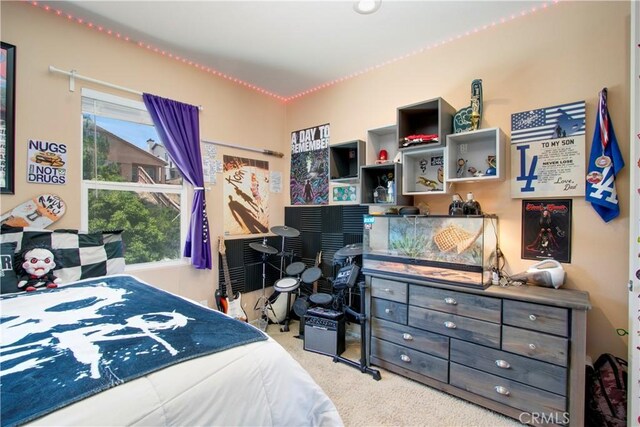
(88, 185)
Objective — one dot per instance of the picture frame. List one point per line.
(7, 117)
(546, 229)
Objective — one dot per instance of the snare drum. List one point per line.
(286, 284)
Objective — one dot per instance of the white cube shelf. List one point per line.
(384, 138)
(468, 153)
(424, 171)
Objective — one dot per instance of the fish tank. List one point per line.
(458, 250)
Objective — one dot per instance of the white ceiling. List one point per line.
(288, 47)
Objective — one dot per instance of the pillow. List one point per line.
(8, 277)
(78, 254)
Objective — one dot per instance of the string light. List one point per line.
(90, 25)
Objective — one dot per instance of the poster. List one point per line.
(210, 165)
(548, 152)
(246, 195)
(546, 229)
(46, 162)
(309, 182)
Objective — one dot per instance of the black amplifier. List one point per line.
(324, 334)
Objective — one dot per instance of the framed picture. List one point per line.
(7, 116)
(546, 229)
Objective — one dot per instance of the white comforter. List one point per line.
(258, 384)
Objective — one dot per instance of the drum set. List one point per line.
(277, 307)
(290, 294)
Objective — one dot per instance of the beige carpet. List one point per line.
(392, 401)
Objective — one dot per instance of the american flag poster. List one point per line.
(548, 152)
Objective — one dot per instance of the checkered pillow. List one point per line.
(78, 254)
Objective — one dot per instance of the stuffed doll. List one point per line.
(37, 264)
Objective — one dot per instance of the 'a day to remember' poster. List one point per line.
(309, 182)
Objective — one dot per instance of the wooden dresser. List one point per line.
(519, 351)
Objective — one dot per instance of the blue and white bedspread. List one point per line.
(62, 345)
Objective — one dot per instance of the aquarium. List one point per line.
(458, 250)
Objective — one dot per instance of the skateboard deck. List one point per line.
(39, 212)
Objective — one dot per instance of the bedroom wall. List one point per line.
(46, 109)
(566, 53)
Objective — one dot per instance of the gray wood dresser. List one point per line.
(519, 351)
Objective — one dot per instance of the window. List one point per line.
(127, 182)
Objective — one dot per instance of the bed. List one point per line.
(114, 350)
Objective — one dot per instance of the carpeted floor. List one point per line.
(392, 401)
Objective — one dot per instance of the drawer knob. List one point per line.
(450, 325)
(387, 310)
(501, 390)
(405, 358)
(502, 364)
(407, 337)
(387, 290)
(533, 317)
(451, 301)
(532, 346)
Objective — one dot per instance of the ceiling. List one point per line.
(290, 47)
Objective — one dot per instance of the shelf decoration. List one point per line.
(469, 118)
(548, 152)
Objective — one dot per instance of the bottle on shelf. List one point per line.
(456, 206)
(471, 206)
(390, 196)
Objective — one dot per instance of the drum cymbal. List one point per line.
(350, 250)
(264, 248)
(284, 231)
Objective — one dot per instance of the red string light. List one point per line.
(143, 45)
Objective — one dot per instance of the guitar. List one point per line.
(229, 303)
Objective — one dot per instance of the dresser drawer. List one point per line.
(541, 318)
(463, 304)
(388, 289)
(465, 328)
(540, 346)
(535, 373)
(417, 339)
(412, 360)
(389, 310)
(514, 394)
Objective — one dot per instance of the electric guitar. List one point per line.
(229, 303)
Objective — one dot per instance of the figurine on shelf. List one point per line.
(383, 157)
(491, 170)
(461, 164)
(469, 118)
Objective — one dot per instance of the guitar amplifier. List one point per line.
(324, 331)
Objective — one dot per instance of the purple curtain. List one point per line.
(179, 128)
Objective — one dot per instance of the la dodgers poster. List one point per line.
(309, 182)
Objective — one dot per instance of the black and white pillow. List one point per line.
(77, 254)
(8, 278)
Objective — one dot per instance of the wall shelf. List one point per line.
(433, 117)
(345, 160)
(425, 171)
(383, 138)
(471, 150)
(373, 176)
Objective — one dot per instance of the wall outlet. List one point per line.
(204, 302)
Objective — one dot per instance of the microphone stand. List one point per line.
(362, 317)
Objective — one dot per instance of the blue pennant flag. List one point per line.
(605, 162)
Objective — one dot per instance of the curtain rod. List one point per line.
(74, 75)
(242, 147)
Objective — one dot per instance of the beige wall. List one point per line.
(47, 110)
(566, 53)
(563, 54)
